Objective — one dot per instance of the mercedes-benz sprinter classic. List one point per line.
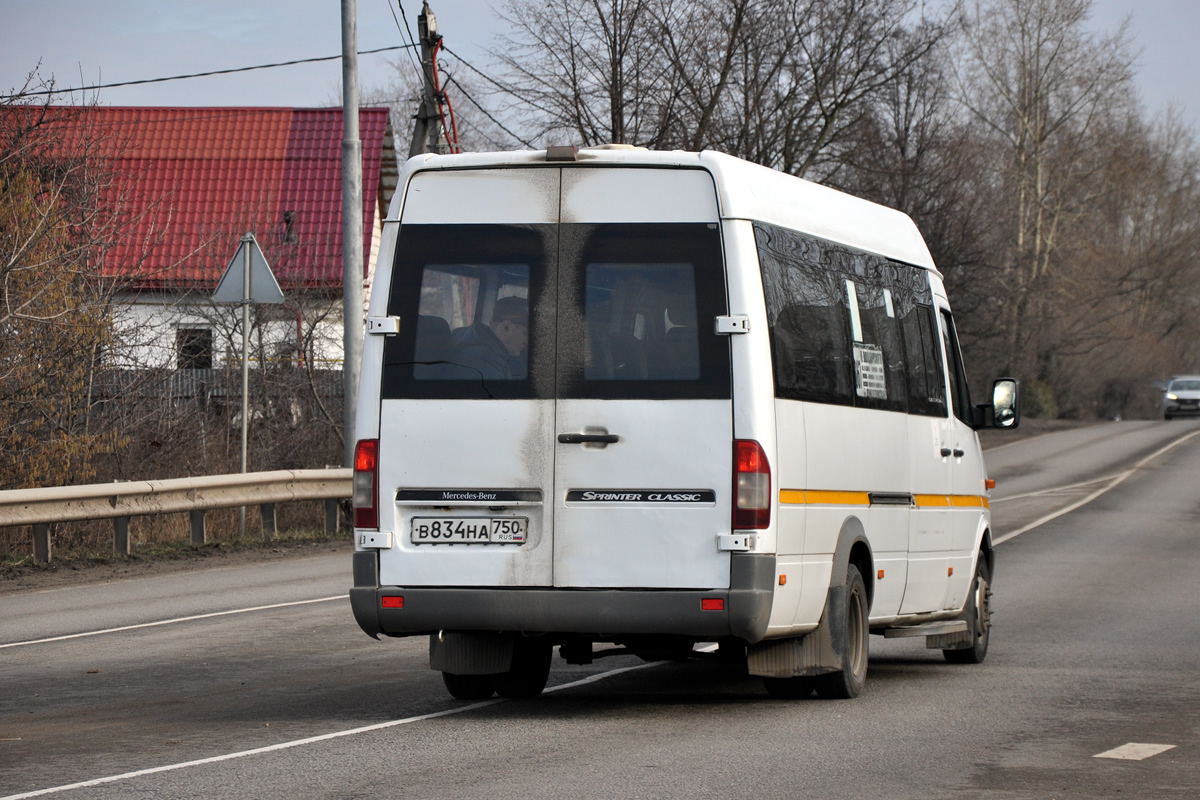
(646, 400)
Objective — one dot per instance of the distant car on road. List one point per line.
(1181, 396)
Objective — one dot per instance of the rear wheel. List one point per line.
(529, 671)
(978, 614)
(851, 633)
(469, 687)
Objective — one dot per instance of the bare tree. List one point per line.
(592, 71)
(779, 82)
(1039, 87)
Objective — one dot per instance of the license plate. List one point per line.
(469, 530)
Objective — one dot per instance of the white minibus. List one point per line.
(623, 401)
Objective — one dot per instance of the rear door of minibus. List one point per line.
(466, 429)
(644, 445)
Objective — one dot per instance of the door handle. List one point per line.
(582, 438)
(959, 453)
(946, 452)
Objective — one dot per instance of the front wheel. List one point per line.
(850, 631)
(978, 614)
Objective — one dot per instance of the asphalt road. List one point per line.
(1096, 646)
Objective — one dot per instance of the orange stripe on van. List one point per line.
(824, 498)
(833, 498)
(951, 501)
(966, 500)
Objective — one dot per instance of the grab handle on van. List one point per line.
(582, 438)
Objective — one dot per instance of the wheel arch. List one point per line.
(987, 552)
(854, 548)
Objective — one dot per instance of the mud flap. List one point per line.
(815, 653)
(364, 601)
(470, 653)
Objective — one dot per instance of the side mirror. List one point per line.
(1006, 403)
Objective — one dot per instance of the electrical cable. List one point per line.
(506, 89)
(48, 92)
(451, 133)
(450, 79)
(405, 31)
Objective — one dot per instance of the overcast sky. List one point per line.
(86, 42)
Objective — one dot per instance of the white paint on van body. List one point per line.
(637, 195)
(673, 446)
(466, 445)
(930, 524)
(497, 196)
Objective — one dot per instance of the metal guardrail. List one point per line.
(121, 501)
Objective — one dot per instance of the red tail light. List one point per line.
(366, 484)
(751, 486)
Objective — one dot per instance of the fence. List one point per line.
(39, 508)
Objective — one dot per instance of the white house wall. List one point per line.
(146, 327)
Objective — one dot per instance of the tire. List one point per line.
(978, 614)
(789, 688)
(850, 636)
(526, 678)
(469, 687)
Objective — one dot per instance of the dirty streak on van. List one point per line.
(654, 399)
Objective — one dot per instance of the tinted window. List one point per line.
(960, 396)
(848, 327)
(639, 303)
(808, 315)
(926, 380)
(463, 294)
(880, 380)
(600, 311)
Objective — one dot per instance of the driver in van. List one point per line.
(497, 349)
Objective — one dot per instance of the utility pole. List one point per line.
(428, 134)
(352, 229)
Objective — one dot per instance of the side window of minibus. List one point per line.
(926, 378)
(960, 397)
(880, 380)
(808, 317)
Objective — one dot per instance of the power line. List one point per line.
(506, 89)
(412, 42)
(47, 92)
(486, 113)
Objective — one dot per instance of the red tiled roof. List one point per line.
(191, 181)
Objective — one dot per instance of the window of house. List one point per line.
(194, 348)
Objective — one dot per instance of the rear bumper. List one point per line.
(600, 613)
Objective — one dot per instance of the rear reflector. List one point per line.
(712, 604)
(366, 484)
(752, 486)
(392, 602)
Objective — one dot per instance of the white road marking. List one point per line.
(1113, 483)
(1135, 751)
(1053, 489)
(175, 620)
(312, 739)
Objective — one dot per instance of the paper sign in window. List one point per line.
(869, 375)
